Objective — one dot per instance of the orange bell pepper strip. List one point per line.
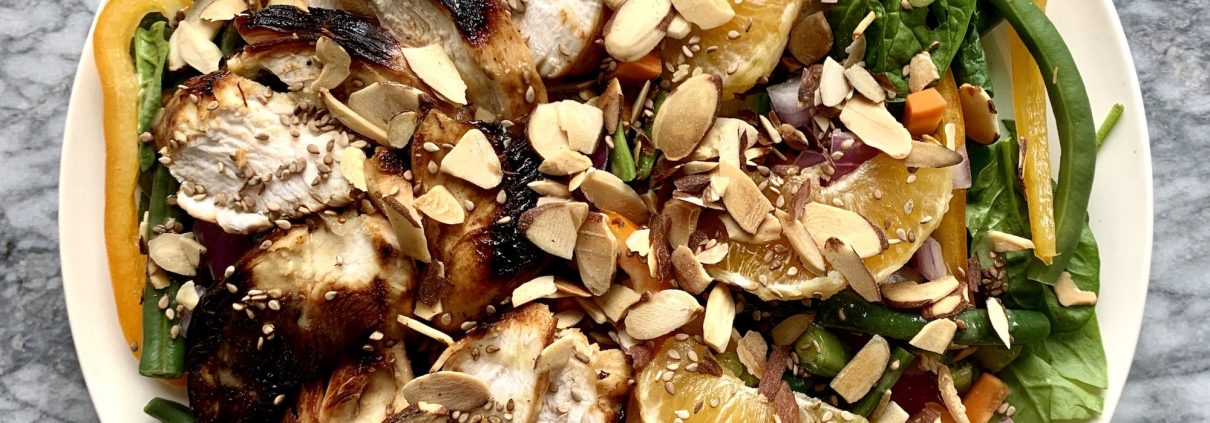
(112, 36)
(951, 233)
(1029, 103)
(640, 276)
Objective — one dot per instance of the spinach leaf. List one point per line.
(844, 18)
(986, 16)
(150, 53)
(953, 17)
(970, 63)
(1076, 355)
(1042, 395)
(1085, 270)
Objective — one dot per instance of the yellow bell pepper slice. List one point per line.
(951, 233)
(1029, 103)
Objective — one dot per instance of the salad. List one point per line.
(590, 211)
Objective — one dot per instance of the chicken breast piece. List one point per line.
(582, 388)
(241, 160)
(561, 34)
(479, 38)
(326, 287)
(363, 388)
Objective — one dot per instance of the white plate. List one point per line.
(1121, 214)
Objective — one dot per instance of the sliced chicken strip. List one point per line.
(363, 388)
(324, 290)
(561, 34)
(478, 36)
(241, 160)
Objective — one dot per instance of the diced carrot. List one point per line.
(984, 398)
(638, 71)
(922, 112)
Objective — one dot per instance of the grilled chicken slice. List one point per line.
(589, 386)
(289, 312)
(561, 34)
(363, 388)
(241, 160)
(484, 257)
(478, 36)
(503, 355)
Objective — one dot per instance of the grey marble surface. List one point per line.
(40, 41)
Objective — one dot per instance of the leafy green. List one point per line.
(952, 18)
(1041, 394)
(844, 18)
(150, 53)
(986, 16)
(1077, 355)
(230, 40)
(970, 63)
(1085, 270)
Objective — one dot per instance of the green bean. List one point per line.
(163, 355)
(900, 360)
(1077, 133)
(730, 361)
(1110, 121)
(821, 353)
(964, 376)
(167, 411)
(1025, 326)
(621, 162)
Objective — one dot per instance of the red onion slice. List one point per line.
(929, 261)
(962, 172)
(784, 98)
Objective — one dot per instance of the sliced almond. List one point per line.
(802, 242)
(436, 69)
(743, 199)
(726, 139)
(909, 294)
(929, 155)
(936, 336)
(857, 52)
(352, 166)
(639, 242)
(382, 101)
(876, 127)
(557, 354)
(565, 162)
(706, 14)
(687, 113)
(944, 308)
(424, 329)
(454, 390)
(696, 167)
(922, 72)
(636, 28)
(616, 301)
(999, 318)
(891, 413)
(554, 228)
(768, 231)
(833, 86)
(474, 160)
(1070, 295)
(223, 10)
(569, 318)
(592, 309)
(684, 221)
(534, 289)
(949, 395)
(665, 312)
(863, 371)
(810, 39)
(336, 63)
(713, 255)
(753, 352)
(401, 128)
(611, 104)
(582, 123)
(607, 192)
(544, 132)
(596, 253)
(864, 83)
(408, 230)
(352, 120)
(1005, 242)
(979, 114)
(789, 330)
(568, 288)
(679, 27)
(689, 272)
(550, 188)
(438, 204)
(849, 264)
(824, 221)
(196, 49)
(176, 253)
(720, 316)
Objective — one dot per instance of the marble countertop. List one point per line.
(40, 41)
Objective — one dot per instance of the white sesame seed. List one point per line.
(330, 295)
(683, 414)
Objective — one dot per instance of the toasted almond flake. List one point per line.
(611, 103)
(187, 295)
(596, 253)
(944, 308)
(823, 222)
(790, 329)
(582, 123)
(196, 49)
(544, 132)
(639, 242)
(752, 351)
(607, 192)
(454, 390)
(689, 272)
(1005, 242)
(550, 188)
(679, 27)
(438, 204)
(713, 255)
(568, 318)
(352, 166)
(665, 312)
(401, 128)
(857, 377)
(565, 162)
(336, 63)
(768, 231)
(999, 318)
(719, 319)
(833, 86)
(1070, 295)
(743, 199)
(616, 301)
(425, 330)
(864, 83)
(636, 28)
(223, 10)
(949, 395)
(846, 261)
(554, 228)
(802, 242)
(922, 72)
(436, 69)
(877, 127)
(382, 101)
(405, 220)
(176, 253)
(936, 336)
(352, 120)
(863, 24)
(979, 114)
(929, 155)
(537, 288)
(909, 294)
(474, 160)
(706, 14)
(592, 309)
(685, 116)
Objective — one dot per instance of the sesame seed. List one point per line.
(274, 305)
(470, 206)
(732, 34)
(376, 336)
(170, 313)
(447, 319)
(670, 388)
(492, 349)
(683, 414)
(330, 295)
(430, 147)
(467, 325)
(837, 202)
(175, 331)
(432, 167)
(529, 94)
(267, 329)
(674, 354)
(501, 197)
